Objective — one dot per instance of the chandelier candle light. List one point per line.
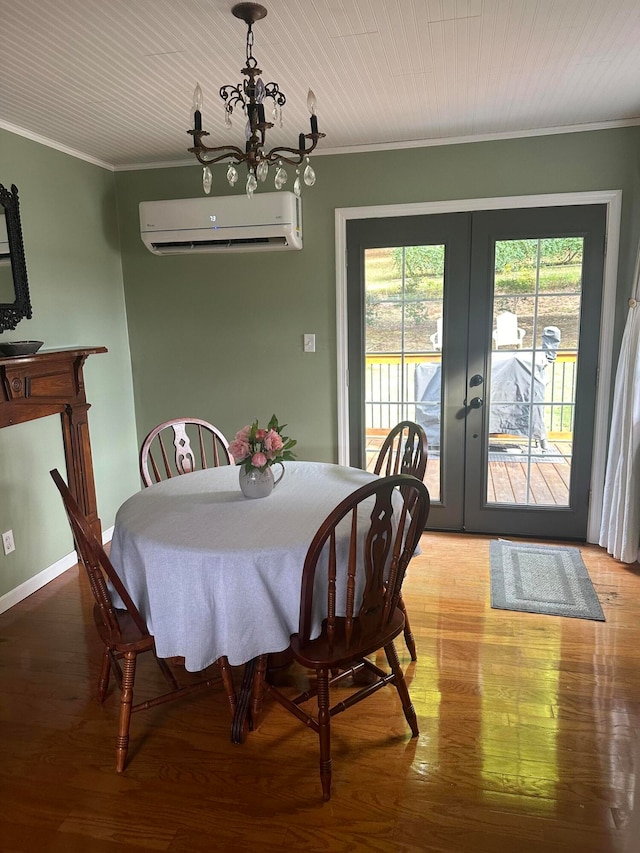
(249, 96)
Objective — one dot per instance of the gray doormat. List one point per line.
(550, 579)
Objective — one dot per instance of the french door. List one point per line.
(484, 328)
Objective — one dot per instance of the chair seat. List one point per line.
(131, 639)
(340, 653)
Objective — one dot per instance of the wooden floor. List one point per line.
(529, 736)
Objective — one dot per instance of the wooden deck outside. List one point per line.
(512, 480)
(548, 480)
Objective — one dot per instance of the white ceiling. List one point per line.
(112, 80)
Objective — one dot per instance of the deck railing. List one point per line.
(390, 394)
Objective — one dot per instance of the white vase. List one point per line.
(258, 484)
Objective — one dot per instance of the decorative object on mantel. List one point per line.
(249, 96)
(20, 347)
(256, 450)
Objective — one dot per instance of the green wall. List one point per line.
(220, 336)
(73, 263)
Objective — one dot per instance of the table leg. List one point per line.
(242, 711)
(257, 692)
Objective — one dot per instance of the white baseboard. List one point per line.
(14, 596)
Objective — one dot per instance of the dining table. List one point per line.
(215, 574)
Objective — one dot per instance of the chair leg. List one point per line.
(408, 635)
(165, 669)
(324, 723)
(401, 687)
(257, 690)
(105, 671)
(126, 701)
(227, 680)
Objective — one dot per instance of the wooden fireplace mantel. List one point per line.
(48, 383)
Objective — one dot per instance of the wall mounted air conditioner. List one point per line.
(235, 223)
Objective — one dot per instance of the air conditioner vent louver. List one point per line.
(225, 224)
(205, 245)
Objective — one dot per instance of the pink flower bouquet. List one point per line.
(254, 447)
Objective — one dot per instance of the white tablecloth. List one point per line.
(214, 573)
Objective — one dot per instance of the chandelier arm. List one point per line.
(274, 155)
(226, 151)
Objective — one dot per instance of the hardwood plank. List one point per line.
(506, 487)
(556, 483)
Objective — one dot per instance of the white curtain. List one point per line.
(620, 529)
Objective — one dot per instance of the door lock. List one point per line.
(476, 380)
(476, 403)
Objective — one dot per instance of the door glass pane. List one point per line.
(533, 366)
(7, 291)
(404, 289)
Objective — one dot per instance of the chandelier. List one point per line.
(249, 97)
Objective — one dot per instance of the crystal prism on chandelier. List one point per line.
(248, 98)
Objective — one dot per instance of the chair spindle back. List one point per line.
(404, 451)
(97, 566)
(368, 541)
(162, 457)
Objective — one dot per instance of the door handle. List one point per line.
(476, 403)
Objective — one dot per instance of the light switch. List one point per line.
(309, 343)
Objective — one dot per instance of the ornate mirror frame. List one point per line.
(12, 312)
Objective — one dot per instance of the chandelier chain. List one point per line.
(251, 61)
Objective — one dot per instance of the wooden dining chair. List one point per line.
(123, 631)
(157, 462)
(353, 572)
(404, 451)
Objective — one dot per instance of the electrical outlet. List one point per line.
(309, 343)
(7, 542)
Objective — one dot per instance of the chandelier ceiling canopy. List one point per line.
(249, 98)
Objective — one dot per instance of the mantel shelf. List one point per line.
(51, 354)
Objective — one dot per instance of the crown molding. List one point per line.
(42, 140)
